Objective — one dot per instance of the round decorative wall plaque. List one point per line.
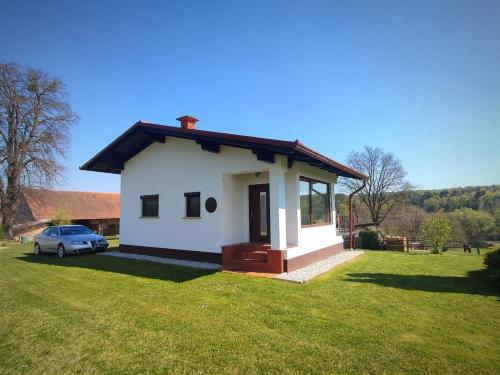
(210, 204)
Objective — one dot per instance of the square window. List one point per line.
(192, 204)
(150, 205)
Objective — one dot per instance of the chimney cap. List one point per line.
(187, 122)
(187, 118)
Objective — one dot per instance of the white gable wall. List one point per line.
(170, 170)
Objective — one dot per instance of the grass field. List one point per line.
(383, 312)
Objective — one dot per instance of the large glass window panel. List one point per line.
(305, 206)
(314, 202)
(320, 213)
(263, 213)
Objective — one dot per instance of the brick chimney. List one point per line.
(187, 122)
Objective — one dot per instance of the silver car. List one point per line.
(68, 239)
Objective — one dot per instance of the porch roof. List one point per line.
(142, 134)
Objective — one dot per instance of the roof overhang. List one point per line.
(141, 135)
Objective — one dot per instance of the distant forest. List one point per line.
(473, 212)
(478, 198)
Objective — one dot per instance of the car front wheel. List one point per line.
(36, 249)
(60, 251)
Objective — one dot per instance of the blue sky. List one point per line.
(420, 79)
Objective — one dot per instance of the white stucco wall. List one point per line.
(292, 207)
(179, 166)
(172, 169)
(315, 237)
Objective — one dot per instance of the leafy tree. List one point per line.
(35, 118)
(436, 230)
(61, 216)
(341, 204)
(477, 225)
(444, 193)
(497, 224)
(490, 201)
(482, 198)
(433, 204)
(386, 185)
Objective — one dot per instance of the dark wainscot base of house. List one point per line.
(273, 263)
(315, 256)
(197, 256)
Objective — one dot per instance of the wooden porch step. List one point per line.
(252, 257)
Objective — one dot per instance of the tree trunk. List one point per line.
(10, 203)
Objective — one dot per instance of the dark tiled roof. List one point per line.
(142, 134)
(40, 204)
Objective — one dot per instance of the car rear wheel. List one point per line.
(36, 249)
(61, 252)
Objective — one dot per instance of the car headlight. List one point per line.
(78, 243)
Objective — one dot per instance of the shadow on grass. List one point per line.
(122, 266)
(476, 282)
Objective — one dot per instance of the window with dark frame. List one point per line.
(315, 207)
(150, 205)
(192, 204)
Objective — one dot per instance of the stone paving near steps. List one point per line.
(176, 262)
(301, 275)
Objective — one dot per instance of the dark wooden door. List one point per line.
(260, 228)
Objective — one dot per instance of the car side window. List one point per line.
(53, 232)
(46, 231)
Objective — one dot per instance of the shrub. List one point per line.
(370, 240)
(437, 230)
(61, 216)
(492, 262)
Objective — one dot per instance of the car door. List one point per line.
(52, 239)
(42, 238)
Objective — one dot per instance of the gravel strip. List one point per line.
(306, 273)
(176, 262)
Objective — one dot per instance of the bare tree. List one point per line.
(35, 118)
(386, 185)
(405, 220)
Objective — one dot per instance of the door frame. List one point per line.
(252, 232)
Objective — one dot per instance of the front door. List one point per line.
(260, 229)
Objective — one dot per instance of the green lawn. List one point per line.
(383, 312)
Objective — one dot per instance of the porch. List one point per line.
(262, 226)
(255, 207)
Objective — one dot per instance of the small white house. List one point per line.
(249, 203)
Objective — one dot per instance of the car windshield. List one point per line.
(79, 229)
